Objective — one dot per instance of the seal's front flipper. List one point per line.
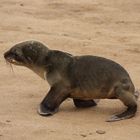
(45, 111)
(50, 104)
(84, 103)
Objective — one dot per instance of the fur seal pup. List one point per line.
(82, 78)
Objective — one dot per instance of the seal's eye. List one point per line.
(30, 54)
(17, 57)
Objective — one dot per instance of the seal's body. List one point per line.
(97, 78)
(82, 78)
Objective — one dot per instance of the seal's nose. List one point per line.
(5, 55)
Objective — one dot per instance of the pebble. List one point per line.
(100, 132)
(8, 121)
(21, 4)
(83, 135)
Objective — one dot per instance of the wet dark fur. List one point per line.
(82, 78)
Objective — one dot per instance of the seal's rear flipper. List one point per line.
(129, 113)
(130, 100)
(84, 103)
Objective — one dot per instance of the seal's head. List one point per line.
(31, 54)
(26, 53)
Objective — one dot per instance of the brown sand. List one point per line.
(108, 28)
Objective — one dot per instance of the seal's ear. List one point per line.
(46, 58)
(48, 63)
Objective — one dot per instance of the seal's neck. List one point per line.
(39, 71)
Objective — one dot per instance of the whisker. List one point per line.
(9, 64)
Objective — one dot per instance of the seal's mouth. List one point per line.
(13, 61)
(10, 58)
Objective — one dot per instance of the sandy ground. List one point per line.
(108, 28)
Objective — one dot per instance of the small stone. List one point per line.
(8, 121)
(65, 34)
(52, 131)
(115, 54)
(1, 42)
(100, 132)
(83, 135)
(21, 4)
(29, 28)
(1, 135)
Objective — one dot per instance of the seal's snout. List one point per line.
(6, 54)
(10, 57)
